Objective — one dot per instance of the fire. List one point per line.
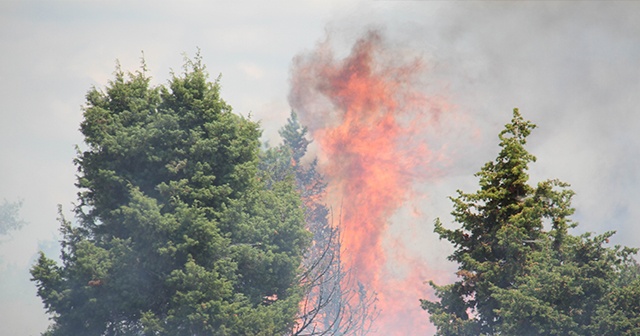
(367, 117)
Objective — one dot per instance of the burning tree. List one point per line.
(333, 303)
(369, 115)
(521, 272)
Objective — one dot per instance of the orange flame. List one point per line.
(367, 117)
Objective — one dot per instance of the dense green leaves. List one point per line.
(177, 234)
(521, 272)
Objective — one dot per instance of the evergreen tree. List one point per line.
(585, 288)
(518, 277)
(332, 304)
(177, 234)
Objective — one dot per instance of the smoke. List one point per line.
(9, 216)
(368, 115)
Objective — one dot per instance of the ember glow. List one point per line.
(368, 116)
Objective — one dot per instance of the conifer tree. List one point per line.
(584, 288)
(521, 272)
(176, 233)
(332, 304)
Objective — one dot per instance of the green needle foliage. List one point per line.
(520, 271)
(176, 234)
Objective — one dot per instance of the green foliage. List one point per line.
(177, 233)
(294, 138)
(579, 291)
(521, 272)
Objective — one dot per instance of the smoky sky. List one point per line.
(571, 67)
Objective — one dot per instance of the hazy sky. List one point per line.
(571, 67)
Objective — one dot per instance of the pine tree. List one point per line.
(521, 272)
(491, 247)
(583, 289)
(176, 233)
(332, 304)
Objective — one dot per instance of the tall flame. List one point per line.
(367, 117)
